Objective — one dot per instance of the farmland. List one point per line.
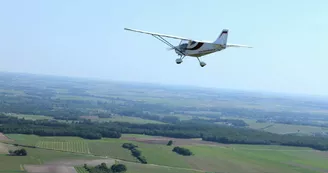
(283, 128)
(69, 146)
(35, 157)
(52, 98)
(229, 158)
(81, 122)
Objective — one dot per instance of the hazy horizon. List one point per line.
(86, 39)
(188, 87)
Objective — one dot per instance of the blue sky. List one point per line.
(86, 39)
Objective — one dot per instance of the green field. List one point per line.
(111, 148)
(142, 168)
(29, 117)
(282, 128)
(231, 158)
(287, 128)
(238, 158)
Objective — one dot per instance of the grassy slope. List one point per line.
(235, 160)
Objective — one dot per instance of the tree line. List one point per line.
(85, 129)
(208, 132)
(135, 152)
(103, 168)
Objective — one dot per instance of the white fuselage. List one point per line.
(198, 49)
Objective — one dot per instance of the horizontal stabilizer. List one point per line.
(238, 45)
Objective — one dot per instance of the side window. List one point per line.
(193, 42)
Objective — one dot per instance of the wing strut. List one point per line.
(167, 43)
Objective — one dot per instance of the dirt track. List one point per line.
(49, 169)
(81, 162)
(3, 148)
(3, 137)
(64, 166)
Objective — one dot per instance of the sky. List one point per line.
(82, 38)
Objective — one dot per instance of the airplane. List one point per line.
(191, 47)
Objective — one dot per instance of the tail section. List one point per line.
(223, 38)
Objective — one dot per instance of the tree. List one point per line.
(129, 146)
(118, 168)
(182, 151)
(142, 159)
(103, 166)
(135, 152)
(23, 152)
(169, 143)
(19, 152)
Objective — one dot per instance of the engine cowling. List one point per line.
(182, 48)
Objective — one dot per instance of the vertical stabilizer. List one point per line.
(223, 38)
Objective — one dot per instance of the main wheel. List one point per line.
(178, 61)
(202, 64)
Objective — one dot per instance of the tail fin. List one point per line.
(223, 38)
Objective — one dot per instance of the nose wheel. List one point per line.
(179, 60)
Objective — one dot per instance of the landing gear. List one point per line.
(201, 63)
(179, 60)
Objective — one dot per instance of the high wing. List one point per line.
(158, 34)
(238, 45)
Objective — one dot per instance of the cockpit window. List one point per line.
(193, 42)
